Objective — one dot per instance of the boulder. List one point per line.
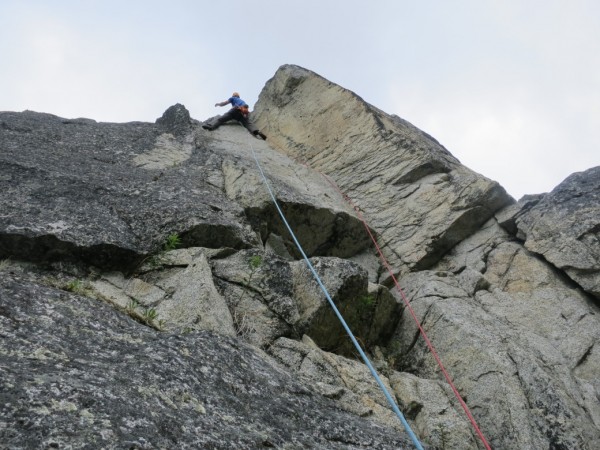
(368, 309)
(259, 292)
(176, 120)
(272, 297)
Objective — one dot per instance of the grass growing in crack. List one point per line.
(254, 263)
(77, 287)
(148, 316)
(74, 286)
(173, 241)
(4, 264)
(132, 305)
(367, 300)
(364, 306)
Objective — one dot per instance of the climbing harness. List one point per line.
(244, 110)
(364, 357)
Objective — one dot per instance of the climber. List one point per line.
(239, 112)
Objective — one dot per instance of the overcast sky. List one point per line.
(510, 87)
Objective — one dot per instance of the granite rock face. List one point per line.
(426, 403)
(78, 374)
(417, 196)
(152, 297)
(518, 337)
(564, 228)
(109, 194)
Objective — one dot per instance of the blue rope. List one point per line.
(337, 312)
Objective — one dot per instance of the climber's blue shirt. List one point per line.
(237, 102)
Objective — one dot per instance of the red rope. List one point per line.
(409, 307)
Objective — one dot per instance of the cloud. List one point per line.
(60, 66)
(516, 137)
(511, 88)
(522, 109)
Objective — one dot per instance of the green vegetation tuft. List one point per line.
(132, 305)
(76, 287)
(367, 300)
(255, 262)
(173, 241)
(150, 314)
